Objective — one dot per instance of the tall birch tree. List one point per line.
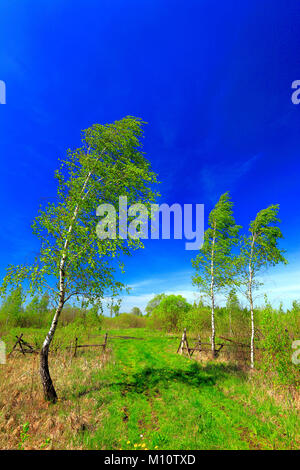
(259, 250)
(110, 163)
(215, 264)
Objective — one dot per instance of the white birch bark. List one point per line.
(49, 391)
(250, 295)
(212, 296)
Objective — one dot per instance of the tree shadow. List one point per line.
(150, 379)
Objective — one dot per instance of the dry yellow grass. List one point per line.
(50, 426)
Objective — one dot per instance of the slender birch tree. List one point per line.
(110, 163)
(258, 250)
(232, 304)
(214, 264)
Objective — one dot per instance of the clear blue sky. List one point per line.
(212, 79)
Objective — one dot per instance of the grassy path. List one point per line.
(149, 397)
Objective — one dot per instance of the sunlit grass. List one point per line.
(141, 396)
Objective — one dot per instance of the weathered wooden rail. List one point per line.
(103, 346)
(201, 346)
(198, 347)
(25, 348)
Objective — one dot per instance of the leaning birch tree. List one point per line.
(214, 264)
(259, 250)
(110, 163)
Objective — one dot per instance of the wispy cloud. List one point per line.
(280, 284)
(213, 176)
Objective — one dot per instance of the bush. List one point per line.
(279, 331)
(168, 315)
(196, 320)
(124, 320)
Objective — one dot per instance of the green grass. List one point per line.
(148, 395)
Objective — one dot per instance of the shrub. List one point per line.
(169, 313)
(279, 331)
(124, 320)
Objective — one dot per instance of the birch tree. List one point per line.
(258, 250)
(110, 163)
(214, 264)
(232, 304)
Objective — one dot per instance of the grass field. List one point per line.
(142, 395)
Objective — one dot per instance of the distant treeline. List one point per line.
(276, 329)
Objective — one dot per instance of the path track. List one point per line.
(150, 397)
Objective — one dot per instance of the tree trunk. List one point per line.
(48, 387)
(49, 390)
(213, 330)
(212, 296)
(251, 306)
(252, 334)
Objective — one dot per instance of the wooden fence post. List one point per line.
(105, 342)
(183, 340)
(75, 350)
(15, 345)
(184, 344)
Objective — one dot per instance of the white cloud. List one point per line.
(280, 284)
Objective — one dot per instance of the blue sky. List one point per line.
(213, 81)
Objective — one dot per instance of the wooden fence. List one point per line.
(103, 346)
(201, 346)
(25, 348)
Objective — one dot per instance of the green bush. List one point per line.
(279, 330)
(124, 320)
(169, 314)
(196, 320)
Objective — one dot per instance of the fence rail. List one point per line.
(198, 347)
(25, 348)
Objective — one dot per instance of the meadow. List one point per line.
(140, 394)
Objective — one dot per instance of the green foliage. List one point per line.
(24, 435)
(196, 320)
(168, 314)
(259, 249)
(295, 307)
(232, 302)
(124, 320)
(36, 312)
(214, 263)
(136, 311)
(161, 400)
(11, 309)
(114, 305)
(232, 307)
(110, 163)
(279, 331)
(153, 303)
